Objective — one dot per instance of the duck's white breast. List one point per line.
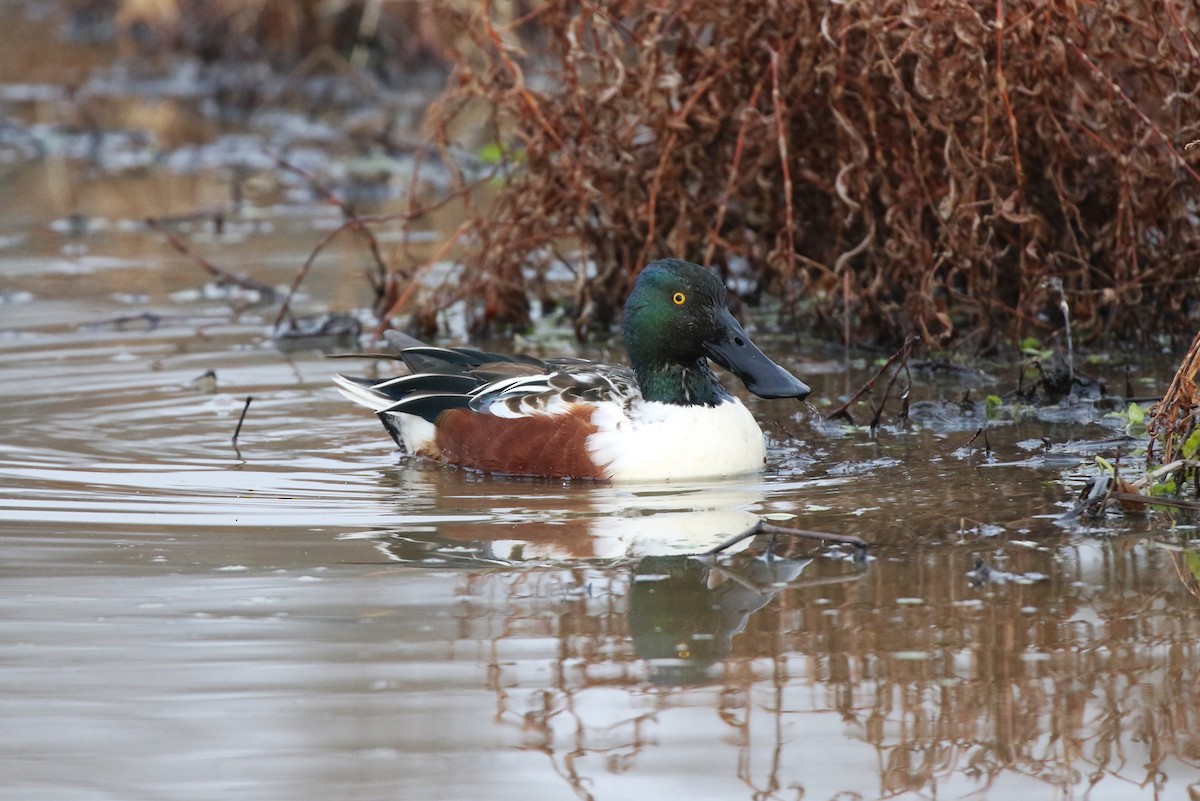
(664, 442)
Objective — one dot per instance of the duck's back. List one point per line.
(496, 413)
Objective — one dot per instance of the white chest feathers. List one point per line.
(662, 442)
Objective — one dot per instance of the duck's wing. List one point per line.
(563, 383)
(489, 383)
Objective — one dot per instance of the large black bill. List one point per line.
(732, 349)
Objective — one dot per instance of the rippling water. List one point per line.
(311, 616)
(308, 615)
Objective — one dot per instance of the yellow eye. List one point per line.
(679, 298)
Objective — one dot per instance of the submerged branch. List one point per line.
(901, 357)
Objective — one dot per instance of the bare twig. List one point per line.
(359, 224)
(900, 356)
(789, 220)
(739, 149)
(763, 527)
(265, 291)
(353, 221)
(1180, 161)
(241, 419)
(1002, 87)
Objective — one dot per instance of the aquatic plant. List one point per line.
(1172, 455)
(1173, 420)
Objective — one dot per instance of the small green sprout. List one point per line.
(991, 406)
(1191, 445)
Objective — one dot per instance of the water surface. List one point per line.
(309, 615)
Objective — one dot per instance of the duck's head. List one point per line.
(675, 318)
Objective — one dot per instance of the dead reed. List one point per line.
(895, 166)
(1172, 420)
(877, 167)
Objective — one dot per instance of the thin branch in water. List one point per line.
(286, 305)
(241, 419)
(763, 527)
(887, 389)
(359, 225)
(352, 220)
(981, 431)
(267, 292)
(1128, 498)
(901, 356)
(1055, 283)
(785, 431)
(415, 282)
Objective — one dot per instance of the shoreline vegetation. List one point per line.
(871, 169)
(976, 174)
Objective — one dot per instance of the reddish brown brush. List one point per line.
(1171, 420)
(915, 166)
(390, 39)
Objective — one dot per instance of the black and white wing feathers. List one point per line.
(494, 383)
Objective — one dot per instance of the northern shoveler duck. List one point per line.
(667, 418)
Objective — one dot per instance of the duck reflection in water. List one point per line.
(471, 520)
(684, 611)
(667, 555)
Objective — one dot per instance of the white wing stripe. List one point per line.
(363, 396)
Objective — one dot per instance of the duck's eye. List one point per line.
(679, 298)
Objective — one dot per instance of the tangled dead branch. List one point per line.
(1172, 420)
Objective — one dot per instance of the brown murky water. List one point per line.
(310, 616)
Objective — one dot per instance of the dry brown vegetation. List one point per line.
(913, 166)
(390, 39)
(877, 167)
(1172, 420)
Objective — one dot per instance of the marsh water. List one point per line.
(309, 615)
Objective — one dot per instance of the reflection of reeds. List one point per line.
(953, 686)
(1187, 567)
(1020, 682)
(582, 609)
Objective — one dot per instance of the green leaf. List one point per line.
(491, 153)
(1031, 347)
(1165, 488)
(991, 406)
(1191, 445)
(1137, 416)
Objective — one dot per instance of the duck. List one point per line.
(664, 418)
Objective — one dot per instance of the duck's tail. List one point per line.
(362, 391)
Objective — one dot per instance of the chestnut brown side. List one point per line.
(541, 445)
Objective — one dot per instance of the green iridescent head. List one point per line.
(675, 319)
